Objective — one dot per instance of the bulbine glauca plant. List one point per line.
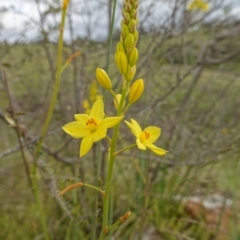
(93, 126)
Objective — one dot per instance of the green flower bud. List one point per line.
(120, 47)
(125, 31)
(130, 75)
(121, 61)
(133, 56)
(129, 42)
(128, 7)
(135, 37)
(103, 79)
(126, 16)
(133, 14)
(135, 5)
(122, 23)
(136, 91)
(132, 26)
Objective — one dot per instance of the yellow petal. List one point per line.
(76, 129)
(110, 122)
(154, 133)
(86, 145)
(97, 111)
(137, 126)
(99, 134)
(155, 149)
(83, 118)
(134, 129)
(140, 145)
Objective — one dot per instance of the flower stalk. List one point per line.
(48, 118)
(92, 127)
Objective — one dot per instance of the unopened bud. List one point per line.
(133, 57)
(132, 25)
(103, 79)
(135, 5)
(121, 61)
(134, 14)
(136, 91)
(117, 100)
(120, 47)
(128, 7)
(130, 42)
(130, 75)
(135, 37)
(125, 31)
(126, 17)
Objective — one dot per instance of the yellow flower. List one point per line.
(146, 138)
(198, 5)
(92, 127)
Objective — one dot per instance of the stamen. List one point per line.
(147, 135)
(91, 121)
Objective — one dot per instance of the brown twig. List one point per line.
(12, 113)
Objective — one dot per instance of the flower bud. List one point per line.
(117, 100)
(131, 73)
(128, 7)
(126, 16)
(121, 61)
(136, 91)
(134, 14)
(125, 31)
(103, 79)
(132, 25)
(135, 37)
(133, 57)
(129, 42)
(135, 5)
(120, 47)
(122, 23)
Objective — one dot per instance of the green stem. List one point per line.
(39, 203)
(46, 124)
(126, 108)
(110, 166)
(113, 93)
(124, 149)
(56, 84)
(95, 208)
(93, 187)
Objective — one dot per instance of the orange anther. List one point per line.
(91, 121)
(147, 135)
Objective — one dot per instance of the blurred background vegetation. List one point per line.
(190, 62)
